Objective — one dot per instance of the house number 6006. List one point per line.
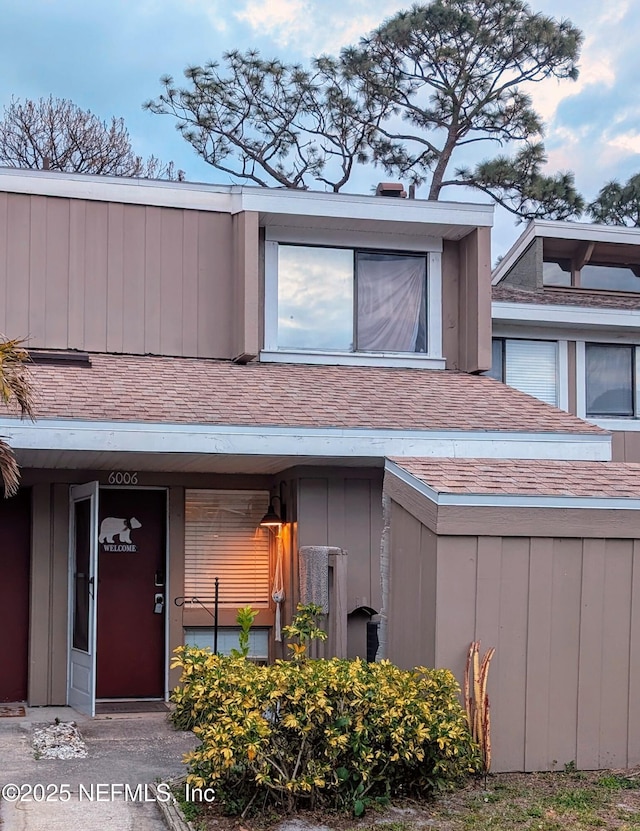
(119, 477)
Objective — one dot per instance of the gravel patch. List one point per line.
(59, 741)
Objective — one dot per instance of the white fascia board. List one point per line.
(153, 192)
(283, 202)
(236, 198)
(486, 500)
(567, 315)
(142, 437)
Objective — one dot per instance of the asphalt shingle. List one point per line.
(201, 391)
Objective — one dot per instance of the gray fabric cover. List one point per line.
(313, 566)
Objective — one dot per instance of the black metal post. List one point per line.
(215, 617)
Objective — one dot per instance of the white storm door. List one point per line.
(83, 596)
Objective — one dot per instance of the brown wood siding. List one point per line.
(625, 446)
(77, 274)
(413, 591)
(564, 616)
(450, 295)
(344, 509)
(474, 304)
(346, 512)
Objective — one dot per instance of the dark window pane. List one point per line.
(391, 303)
(81, 573)
(612, 277)
(497, 351)
(609, 380)
(556, 272)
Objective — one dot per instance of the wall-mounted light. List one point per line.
(273, 519)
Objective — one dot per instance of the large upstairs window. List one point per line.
(369, 302)
(351, 301)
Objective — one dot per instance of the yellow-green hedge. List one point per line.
(333, 732)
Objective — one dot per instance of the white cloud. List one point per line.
(311, 27)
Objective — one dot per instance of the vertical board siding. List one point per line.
(95, 315)
(17, 270)
(616, 633)
(190, 284)
(57, 273)
(152, 260)
(633, 738)
(133, 270)
(115, 277)
(35, 267)
(171, 283)
(98, 276)
(413, 582)
(626, 446)
(456, 580)
(591, 637)
(538, 648)
(564, 616)
(346, 512)
(77, 270)
(565, 649)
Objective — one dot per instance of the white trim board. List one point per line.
(479, 500)
(565, 315)
(236, 198)
(144, 437)
(392, 359)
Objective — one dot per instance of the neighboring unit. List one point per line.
(566, 324)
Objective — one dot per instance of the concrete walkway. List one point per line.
(133, 751)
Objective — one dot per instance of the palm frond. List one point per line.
(9, 472)
(15, 383)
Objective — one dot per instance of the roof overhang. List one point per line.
(567, 317)
(505, 500)
(276, 206)
(576, 232)
(57, 443)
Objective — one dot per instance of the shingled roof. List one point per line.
(566, 297)
(536, 478)
(124, 388)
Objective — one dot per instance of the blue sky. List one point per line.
(108, 56)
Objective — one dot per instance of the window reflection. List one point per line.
(315, 298)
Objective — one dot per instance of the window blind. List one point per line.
(223, 539)
(532, 367)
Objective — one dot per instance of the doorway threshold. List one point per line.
(126, 706)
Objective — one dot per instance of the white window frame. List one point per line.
(631, 423)
(431, 247)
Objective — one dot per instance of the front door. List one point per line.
(131, 591)
(15, 552)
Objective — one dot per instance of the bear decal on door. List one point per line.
(112, 527)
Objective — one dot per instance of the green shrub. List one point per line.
(331, 733)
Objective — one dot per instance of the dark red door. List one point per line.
(15, 555)
(131, 562)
